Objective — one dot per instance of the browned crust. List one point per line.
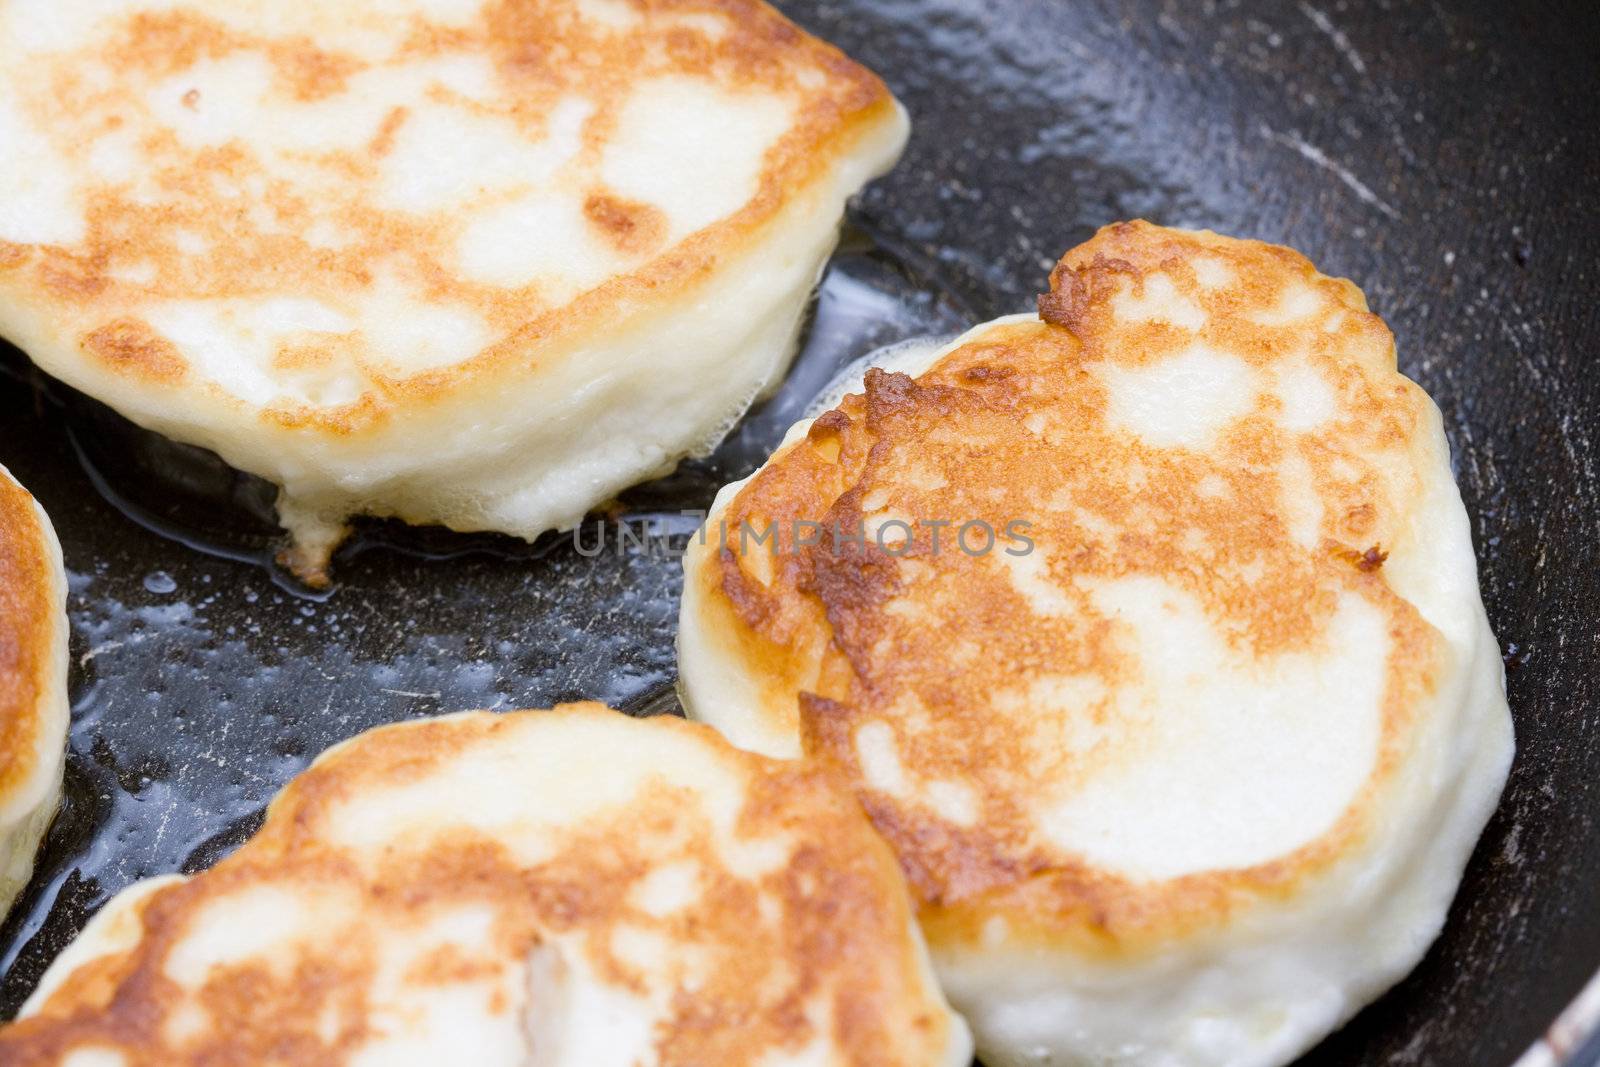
(28, 633)
(13, 255)
(1074, 291)
(841, 928)
(131, 347)
(922, 640)
(629, 225)
(538, 44)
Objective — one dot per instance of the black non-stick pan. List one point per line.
(1444, 155)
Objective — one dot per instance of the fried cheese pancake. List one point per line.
(1185, 757)
(481, 263)
(33, 682)
(570, 888)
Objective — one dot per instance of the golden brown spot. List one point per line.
(13, 256)
(1370, 560)
(384, 141)
(690, 48)
(1359, 519)
(300, 357)
(27, 632)
(628, 225)
(828, 424)
(1074, 291)
(130, 346)
(310, 73)
(166, 43)
(72, 277)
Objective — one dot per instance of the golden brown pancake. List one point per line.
(481, 263)
(570, 888)
(33, 681)
(1184, 732)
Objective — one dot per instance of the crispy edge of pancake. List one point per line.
(124, 354)
(106, 989)
(774, 651)
(33, 681)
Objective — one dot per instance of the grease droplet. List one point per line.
(160, 583)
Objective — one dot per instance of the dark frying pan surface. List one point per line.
(1445, 156)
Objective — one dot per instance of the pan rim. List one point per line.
(1573, 1038)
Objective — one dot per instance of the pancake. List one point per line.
(33, 682)
(479, 264)
(570, 888)
(1185, 759)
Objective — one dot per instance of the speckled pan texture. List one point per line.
(1445, 156)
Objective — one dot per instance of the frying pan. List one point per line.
(1446, 156)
